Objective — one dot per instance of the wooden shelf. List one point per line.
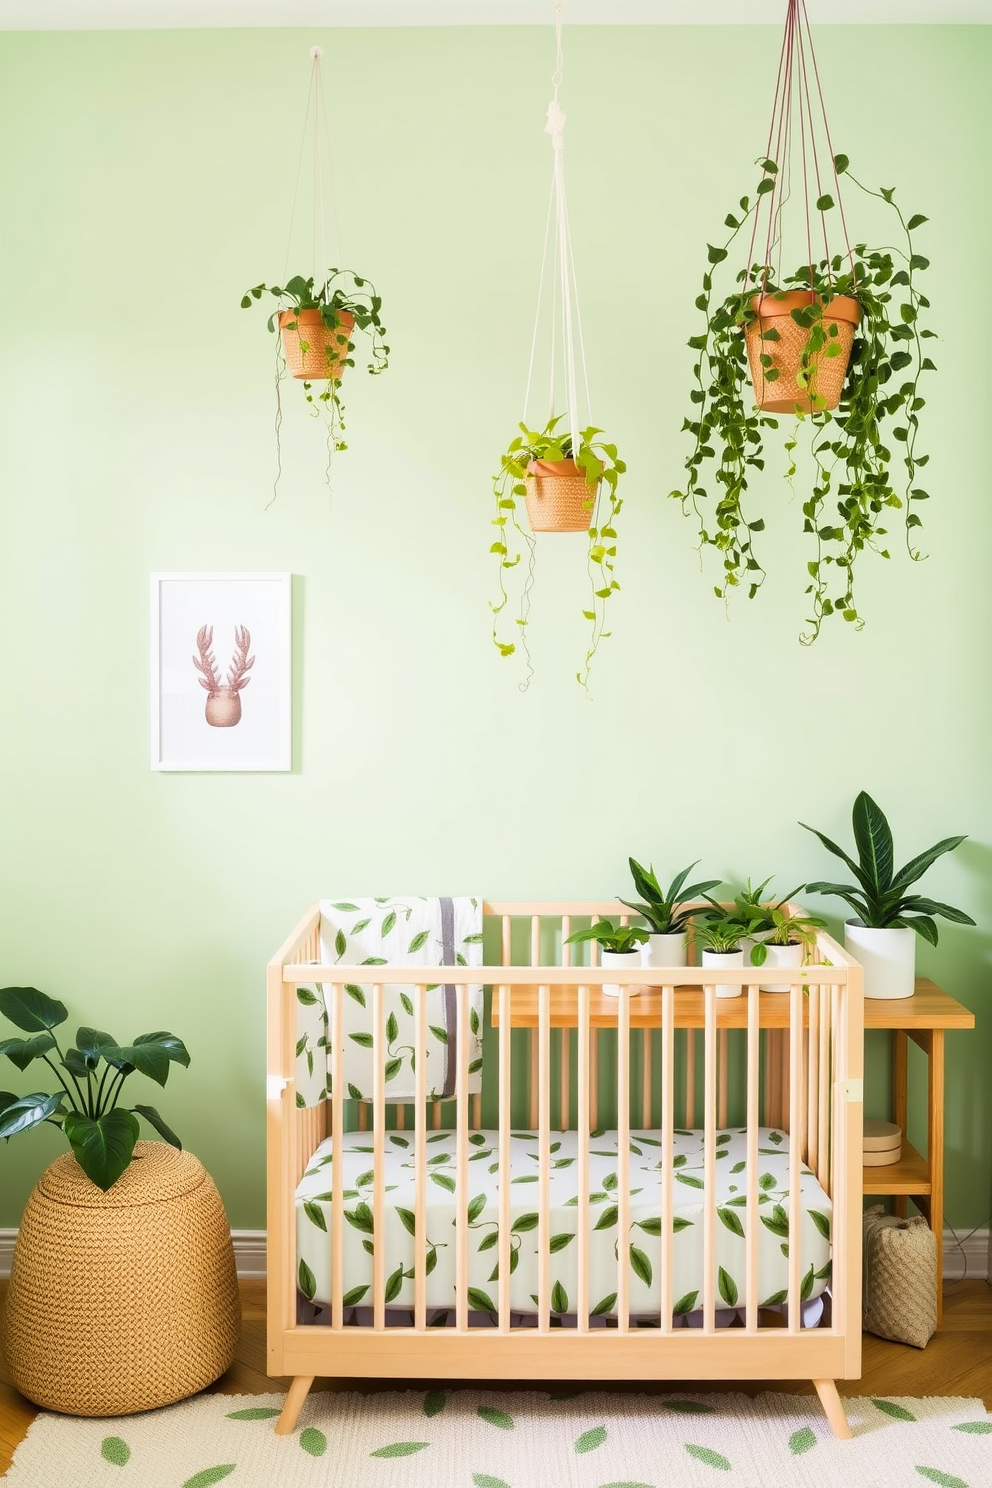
(910, 1175)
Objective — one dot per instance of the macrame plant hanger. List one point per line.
(559, 500)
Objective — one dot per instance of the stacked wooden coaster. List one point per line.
(882, 1144)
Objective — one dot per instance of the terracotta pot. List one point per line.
(313, 350)
(223, 708)
(559, 498)
(784, 394)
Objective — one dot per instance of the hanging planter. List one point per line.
(318, 316)
(837, 343)
(564, 473)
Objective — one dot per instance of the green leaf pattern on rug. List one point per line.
(434, 1402)
(802, 1440)
(313, 1442)
(256, 1413)
(979, 1428)
(486, 1480)
(590, 1440)
(400, 1449)
(897, 1412)
(944, 1480)
(707, 1455)
(496, 1417)
(688, 1407)
(114, 1449)
(210, 1475)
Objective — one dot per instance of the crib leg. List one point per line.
(833, 1408)
(296, 1395)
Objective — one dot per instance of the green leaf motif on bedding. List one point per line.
(559, 1299)
(115, 1449)
(689, 1181)
(559, 1242)
(608, 1218)
(777, 1221)
(306, 997)
(340, 944)
(388, 923)
(767, 1180)
(822, 1222)
(394, 1284)
(359, 926)
(980, 1428)
(210, 1475)
(406, 1002)
(476, 1207)
(524, 1223)
(361, 1218)
(308, 1282)
(490, 1415)
(728, 1287)
(606, 1305)
(418, 940)
(364, 1040)
(352, 1298)
(732, 1220)
(443, 1181)
(683, 1305)
(806, 1289)
(346, 908)
(355, 993)
(707, 1455)
(400, 1449)
(776, 1299)
(313, 1442)
(591, 1439)
(486, 1480)
(474, 939)
(392, 1029)
(315, 1215)
(473, 1020)
(802, 1440)
(441, 1034)
(393, 1067)
(434, 1402)
(488, 1241)
(649, 1226)
(678, 1223)
(944, 1480)
(641, 1265)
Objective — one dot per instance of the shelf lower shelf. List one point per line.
(910, 1175)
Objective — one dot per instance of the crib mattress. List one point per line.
(642, 1254)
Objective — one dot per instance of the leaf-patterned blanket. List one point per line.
(406, 932)
(641, 1247)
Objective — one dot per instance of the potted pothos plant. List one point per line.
(564, 490)
(90, 1073)
(789, 943)
(665, 911)
(619, 948)
(888, 918)
(316, 324)
(838, 342)
(756, 918)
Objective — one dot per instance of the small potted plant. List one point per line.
(789, 943)
(561, 488)
(620, 948)
(720, 935)
(316, 325)
(665, 912)
(883, 936)
(755, 917)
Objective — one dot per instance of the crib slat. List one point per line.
(646, 1079)
(337, 1166)
(420, 1160)
(535, 1056)
(623, 1160)
(461, 1160)
(594, 1055)
(723, 1044)
(378, 1158)
(582, 1120)
(505, 1092)
(544, 1160)
(795, 1151)
(813, 1078)
(565, 1036)
(690, 1078)
(667, 1151)
(752, 1223)
(709, 1157)
(824, 1113)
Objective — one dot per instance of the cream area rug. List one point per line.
(487, 1439)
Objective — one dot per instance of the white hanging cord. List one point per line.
(331, 193)
(315, 101)
(537, 317)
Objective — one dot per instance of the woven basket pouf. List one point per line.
(126, 1300)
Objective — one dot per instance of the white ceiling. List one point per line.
(123, 15)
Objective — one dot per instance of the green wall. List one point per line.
(146, 179)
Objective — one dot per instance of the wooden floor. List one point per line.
(958, 1361)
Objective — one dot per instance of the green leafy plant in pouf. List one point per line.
(665, 910)
(101, 1132)
(316, 322)
(602, 468)
(856, 446)
(880, 898)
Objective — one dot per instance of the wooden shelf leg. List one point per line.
(900, 1100)
(833, 1409)
(295, 1396)
(935, 1155)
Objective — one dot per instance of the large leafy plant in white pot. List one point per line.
(888, 918)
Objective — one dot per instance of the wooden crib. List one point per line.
(563, 1055)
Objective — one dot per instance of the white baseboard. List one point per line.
(972, 1258)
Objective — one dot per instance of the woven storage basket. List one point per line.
(784, 394)
(126, 1300)
(559, 498)
(899, 1296)
(313, 350)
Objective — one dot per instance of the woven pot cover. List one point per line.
(774, 312)
(559, 498)
(313, 350)
(126, 1300)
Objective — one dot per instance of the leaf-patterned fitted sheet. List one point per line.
(643, 1243)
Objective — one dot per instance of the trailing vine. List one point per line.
(852, 460)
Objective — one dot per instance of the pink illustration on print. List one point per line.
(223, 705)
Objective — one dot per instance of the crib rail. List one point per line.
(649, 1060)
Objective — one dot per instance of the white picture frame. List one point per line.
(221, 671)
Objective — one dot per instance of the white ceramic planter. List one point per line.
(888, 957)
(620, 961)
(720, 961)
(750, 941)
(781, 955)
(664, 950)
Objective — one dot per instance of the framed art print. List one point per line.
(221, 671)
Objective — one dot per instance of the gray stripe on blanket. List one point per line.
(450, 999)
